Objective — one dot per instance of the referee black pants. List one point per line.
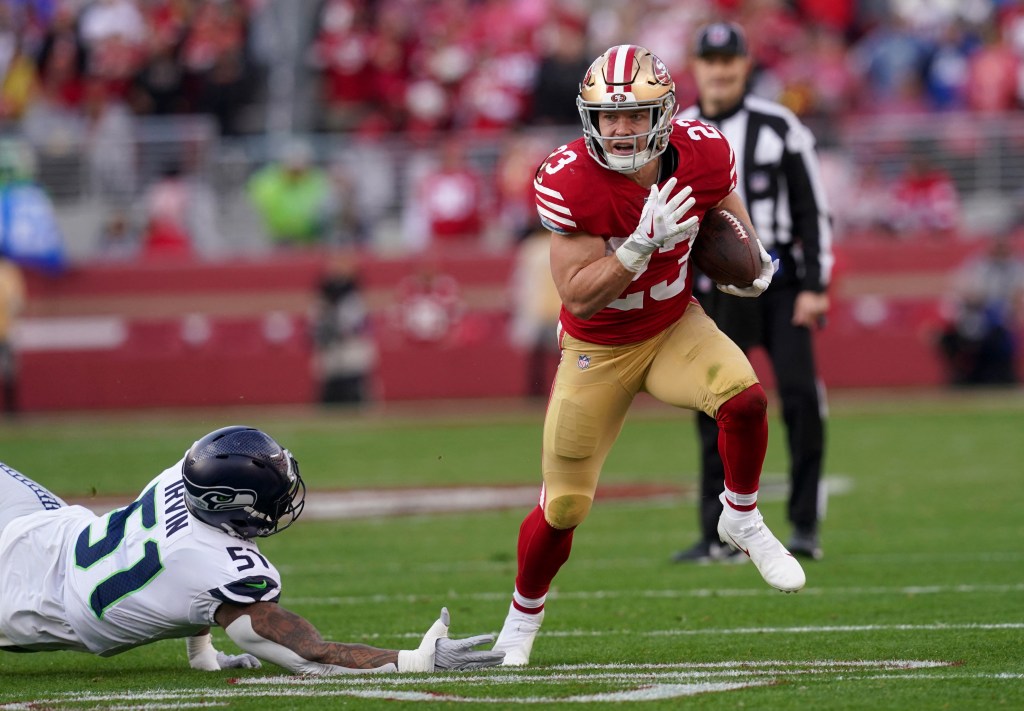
(766, 321)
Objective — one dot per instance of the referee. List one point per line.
(780, 183)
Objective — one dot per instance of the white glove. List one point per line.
(238, 661)
(421, 659)
(660, 222)
(437, 652)
(768, 268)
(203, 656)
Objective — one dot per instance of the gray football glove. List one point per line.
(438, 653)
(459, 653)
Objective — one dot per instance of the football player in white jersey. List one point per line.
(181, 558)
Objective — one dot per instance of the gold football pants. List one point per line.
(691, 364)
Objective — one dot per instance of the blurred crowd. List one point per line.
(147, 56)
(419, 65)
(475, 72)
(409, 65)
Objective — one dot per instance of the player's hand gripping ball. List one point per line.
(726, 250)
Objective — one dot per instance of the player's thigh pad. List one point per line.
(698, 367)
(589, 400)
(20, 496)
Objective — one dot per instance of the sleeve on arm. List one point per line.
(553, 209)
(255, 588)
(812, 223)
(722, 175)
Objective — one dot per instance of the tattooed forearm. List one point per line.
(277, 624)
(358, 656)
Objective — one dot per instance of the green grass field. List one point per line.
(918, 604)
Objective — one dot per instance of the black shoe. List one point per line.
(806, 544)
(724, 553)
(709, 552)
(699, 552)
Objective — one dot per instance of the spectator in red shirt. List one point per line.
(341, 53)
(992, 76)
(61, 61)
(925, 198)
(114, 33)
(449, 202)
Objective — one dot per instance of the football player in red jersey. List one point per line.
(623, 204)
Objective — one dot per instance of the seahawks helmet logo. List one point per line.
(220, 498)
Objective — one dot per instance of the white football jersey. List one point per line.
(72, 580)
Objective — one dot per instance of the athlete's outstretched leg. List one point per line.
(20, 496)
(742, 442)
(587, 408)
(542, 551)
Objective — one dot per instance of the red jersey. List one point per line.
(574, 195)
(453, 200)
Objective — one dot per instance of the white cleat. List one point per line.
(777, 565)
(517, 635)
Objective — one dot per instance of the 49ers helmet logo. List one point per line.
(618, 98)
(661, 74)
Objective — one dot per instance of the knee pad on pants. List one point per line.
(567, 511)
(576, 432)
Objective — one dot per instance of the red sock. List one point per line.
(743, 439)
(542, 551)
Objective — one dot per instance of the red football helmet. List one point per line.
(627, 78)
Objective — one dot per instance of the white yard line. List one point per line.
(639, 682)
(674, 594)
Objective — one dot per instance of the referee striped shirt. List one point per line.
(780, 183)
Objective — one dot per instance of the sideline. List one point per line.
(330, 505)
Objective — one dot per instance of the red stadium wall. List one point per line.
(193, 334)
(187, 334)
(886, 305)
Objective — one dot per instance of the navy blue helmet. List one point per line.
(239, 479)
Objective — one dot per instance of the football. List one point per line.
(725, 249)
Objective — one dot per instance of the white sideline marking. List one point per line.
(947, 677)
(940, 626)
(644, 682)
(810, 629)
(150, 707)
(669, 594)
(375, 503)
(816, 664)
(666, 672)
(644, 693)
(606, 563)
(363, 503)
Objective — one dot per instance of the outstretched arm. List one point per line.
(270, 632)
